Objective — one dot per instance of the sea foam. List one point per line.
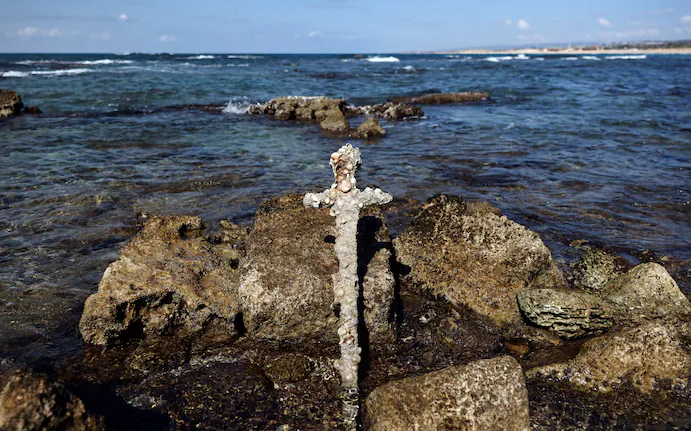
(627, 57)
(382, 59)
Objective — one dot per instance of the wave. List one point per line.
(498, 59)
(200, 57)
(570, 58)
(105, 61)
(410, 68)
(590, 57)
(627, 57)
(17, 74)
(236, 107)
(246, 57)
(377, 59)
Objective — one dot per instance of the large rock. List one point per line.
(651, 357)
(646, 291)
(443, 98)
(31, 402)
(287, 289)
(596, 268)
(567, 313)
(298, 107)
(168, 279)
(10, 103)
(393, 111)
(471, 254)
(335, 122)
(484, 395)
(369, 129)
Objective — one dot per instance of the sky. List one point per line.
(329, 26)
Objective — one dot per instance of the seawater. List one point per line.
(576, 147)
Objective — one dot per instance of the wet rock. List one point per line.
(32, 402)
(487, 394)
(299, 108)
(10, 103)
(595, 268)
(646, 291)
(443, 98)
(393, 111)
(168, 279)
(369, 129)
(33, 110)
(287, 289)
(335, 122)
(566, 313)
(651, 357)
(471, 254)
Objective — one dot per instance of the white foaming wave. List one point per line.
(377, 59)
(522, 57)
(627, 57)
(200, 57)
(60, 72)
(498, 59)
(570, 58)
(410, 68)
(14, 74)
(236, 107)
(246, 57)
(104, 62)
(590, 57)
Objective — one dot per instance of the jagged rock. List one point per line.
(471, 254)
(33, 110)
(287, 289)
(443, 98)
(567, 313)
(595, 268)
(31, 402)
(168, 279)
(646, 291)
(334, 121)
(483, 395)
(394, 111)
(369, 129)
(297, 107)
(10, 103)
(651, 357)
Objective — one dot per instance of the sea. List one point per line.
(586, 150)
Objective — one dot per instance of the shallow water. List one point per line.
(575, 147)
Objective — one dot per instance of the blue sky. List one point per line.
(304, 26)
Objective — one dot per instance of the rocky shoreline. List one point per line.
(467, 324)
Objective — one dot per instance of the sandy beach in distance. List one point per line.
(561, 51)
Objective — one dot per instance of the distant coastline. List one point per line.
(568, 50)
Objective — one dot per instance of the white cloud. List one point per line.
(604, 22)
(315, 33)
(523, 24)
(167, 38)
(686, 19)
(101, 36)
(35, 31)
(508, 22)
(123, 18)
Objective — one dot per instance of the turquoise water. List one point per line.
(574, 147)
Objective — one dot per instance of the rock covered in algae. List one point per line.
(595, 268)
(369, 129)
(30, 402)
(10, 103)
(650, 357)
(471, 254)
(443, 98)
(483, 395)
(287, 289)
(168, 279)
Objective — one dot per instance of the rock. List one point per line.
(287, 288)
(651, 357)
(646, 291)
(33, 110)
(483, 395)
(369, 129)
(334, 121)
(443, 98)
(566, 313)
(168, 279)
(10, 103)
(31, 402)
(595, 268)
(394, 111)
(471, 254)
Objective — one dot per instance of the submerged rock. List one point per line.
(168, 279)
(471, 254)
(566, 313)
(369, 129)
(33, 110)
(32, 402)
(483, 395)
(287, 289)
(651, 357)
(443, 98)
(646, 291)
(10, 103)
